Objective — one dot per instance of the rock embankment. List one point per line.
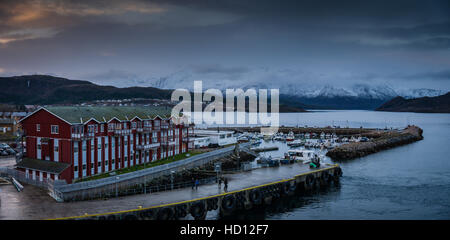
(383, 141)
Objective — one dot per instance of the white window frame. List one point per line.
(57, 129)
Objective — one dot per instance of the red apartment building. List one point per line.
(70, 143)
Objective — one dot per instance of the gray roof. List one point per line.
(43, 165)
(76, 115)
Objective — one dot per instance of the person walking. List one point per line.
(225, 183)
(193, 183)
(196, 184)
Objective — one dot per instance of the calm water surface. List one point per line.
(407, 182)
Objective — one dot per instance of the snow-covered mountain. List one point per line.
(420, 92)
(290, 83)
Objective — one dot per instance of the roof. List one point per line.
(42, 165)
(77, 115)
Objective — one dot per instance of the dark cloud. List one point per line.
(135, 41)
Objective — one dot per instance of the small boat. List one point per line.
(255, 142)
(296, 143)
(300, 155)
(290, 137)
(279, 138)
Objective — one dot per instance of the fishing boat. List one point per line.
(290, 137)
(300, 155)
(279, 137)
(296, 143)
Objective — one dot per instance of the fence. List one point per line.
(21, 177)
(115, 191)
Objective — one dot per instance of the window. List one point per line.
(55, 129)
(84, 166)
(75, 168)
(56, 149)
(38, 127)
(75, 148)
(99, 164)
(133, 125)
(102, 128)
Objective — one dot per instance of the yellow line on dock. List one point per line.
(196, 199)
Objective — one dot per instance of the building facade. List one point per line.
(72, 143)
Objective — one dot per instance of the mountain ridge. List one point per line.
(438, 104)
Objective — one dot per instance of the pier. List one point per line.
(381, 141)
(245, 191)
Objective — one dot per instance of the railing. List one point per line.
(69, 191)
(21, 177)
(122, 132)
(82, 136)
(147, 146)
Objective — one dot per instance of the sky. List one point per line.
(402, 43)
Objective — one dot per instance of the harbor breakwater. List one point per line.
(381, 141)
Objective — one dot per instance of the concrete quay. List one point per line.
(245, 190)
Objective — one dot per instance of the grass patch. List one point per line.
(141, 166)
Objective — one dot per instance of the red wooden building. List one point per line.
(71, 143)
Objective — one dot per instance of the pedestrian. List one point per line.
(196, 184)
(220, 183)
(225, 183)
(193, 183)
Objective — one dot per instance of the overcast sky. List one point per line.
(129, 43)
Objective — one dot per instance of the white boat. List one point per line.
(301, 155)
(296, 143)
(290, 137)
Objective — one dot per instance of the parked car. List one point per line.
(3, 153)
(10, 151)
(4, 145)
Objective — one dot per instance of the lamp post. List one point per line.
(145, 178)
(171, 178)
(117, 180)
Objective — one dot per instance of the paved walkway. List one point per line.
(35, 203)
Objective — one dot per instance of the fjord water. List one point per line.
(407, 182)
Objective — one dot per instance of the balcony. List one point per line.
(82, 136)
(122, 132)
(147, 146)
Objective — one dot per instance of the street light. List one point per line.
(117, 180)
(171, 177)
